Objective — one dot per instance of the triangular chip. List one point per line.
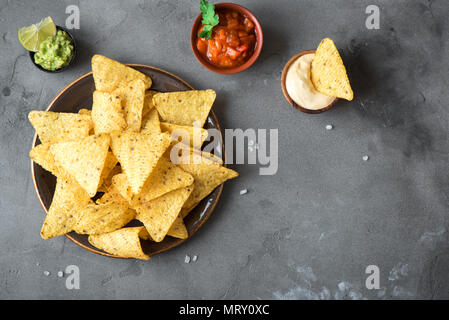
(178, 229)
(185, 107)
(132, 96)
(42, 156)
(150, 123)
(138, 155)
(123, 243)
(109, 166)
(328, 72)
(148, 102)
(159, 214)
(207, 176)
(109, 74)
(107, 114)
(165, 177)
(194, 136)
(83, 160)
(104, 218)
(111, 195)
(68, 201)
(53, 127)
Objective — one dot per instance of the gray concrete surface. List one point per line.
(307, 232)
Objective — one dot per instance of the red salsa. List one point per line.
(232, 42)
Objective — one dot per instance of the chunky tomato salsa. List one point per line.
(232, 42)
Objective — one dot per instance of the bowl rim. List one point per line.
(32, 53)
(285, 92)
(179, 241)
(246, 64)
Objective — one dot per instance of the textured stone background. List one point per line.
(307, 232)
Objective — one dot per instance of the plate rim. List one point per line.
(201, 222)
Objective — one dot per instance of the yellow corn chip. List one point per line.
(104, 218)
(150, 123)
(107, 182)
(91, 123)
(42, 156)
(184, 107)
(68, 201)
(207, 176)
(84, 160)
(110, 74)
(194, 136)
(53, 127)
(178, 229)
(138, 155)
(107, 114)
(148, 102)
(178, 152)
(109, 166)
(328, 73)
(124, 242)
(165, 177)
(111, 195)
(132, 96)
(159, 214)
(85, 112)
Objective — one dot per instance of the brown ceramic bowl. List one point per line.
(78, 95)
(284, 88)
(248, 63)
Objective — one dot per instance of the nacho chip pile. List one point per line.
(122, 148)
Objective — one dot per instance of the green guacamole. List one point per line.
(55, 52)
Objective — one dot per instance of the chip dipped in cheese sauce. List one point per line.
(300, 87)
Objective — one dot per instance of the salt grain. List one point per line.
(329, 127)
(60, 274)
(194, 258)
(365, 158)
(187, 259)
(46, 273)
(244, 191)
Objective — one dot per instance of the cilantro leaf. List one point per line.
(209, 18)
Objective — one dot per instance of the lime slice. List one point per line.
(32, 36)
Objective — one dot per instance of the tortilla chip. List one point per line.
(88, 113)
(83, 160)
(151, 124)
(178, 153)
(207, 176)
(68, 201)
(107, 182)
(85, 112)
(159, 214)
(328, 73)
(109, 166)
(165, 177)
(194, 136)
(138, 155)
(178, 229)
(109, 74)
(184, 107)
(42, 156)
(132, 96)
(123, 243)
(111, 195)
(148, 102)
(104, 218)
(107, 114)
(54, 127)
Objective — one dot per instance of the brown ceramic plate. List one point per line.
(284, 88)
(78, 95)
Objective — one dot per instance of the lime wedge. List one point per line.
(31, 37)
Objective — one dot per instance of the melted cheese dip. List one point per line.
(300, 87)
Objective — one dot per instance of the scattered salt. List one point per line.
(195, 257)
(244, 191)
(46, 273)
(365, 158)
(329, 127)
(60, 274)
(187, 259)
